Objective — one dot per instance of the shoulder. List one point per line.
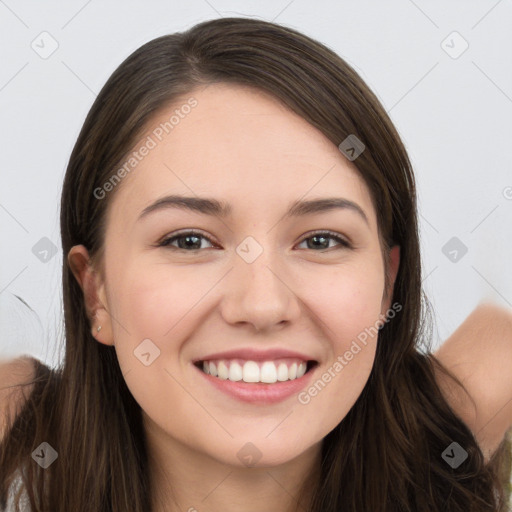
(16, 376)
(479, 354)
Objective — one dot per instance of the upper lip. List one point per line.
(255, 355)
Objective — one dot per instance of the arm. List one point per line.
(479, 353)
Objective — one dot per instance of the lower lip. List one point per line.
(260, 393)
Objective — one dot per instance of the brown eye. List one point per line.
(187, 241)
(320, 240)
(190, 241)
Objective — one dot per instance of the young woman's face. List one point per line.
(254, 282)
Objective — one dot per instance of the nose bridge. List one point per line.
(257, 293)
(254, 264)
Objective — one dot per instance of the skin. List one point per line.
(192, 451)
(479, 353)
(191, 304)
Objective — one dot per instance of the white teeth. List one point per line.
(268, 372)
(235, 372)
(282, 372)
(223, 371)
(292, 372)
(251, 372)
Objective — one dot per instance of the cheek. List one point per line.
(347, 298)
(161, 305)
(153, 302)
(346, 302)
(348, 306)
(153, 299)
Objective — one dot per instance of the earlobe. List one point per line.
(94, 297)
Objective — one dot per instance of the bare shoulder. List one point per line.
(15, 387)
(479, 354)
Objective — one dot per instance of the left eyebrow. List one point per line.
(300, 208)
(213, 207)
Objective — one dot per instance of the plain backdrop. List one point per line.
(442, 70)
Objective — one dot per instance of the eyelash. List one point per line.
(331, 234)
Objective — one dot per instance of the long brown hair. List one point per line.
(385, 455)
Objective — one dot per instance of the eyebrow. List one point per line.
(220, 209)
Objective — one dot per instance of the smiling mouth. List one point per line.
(263, 372)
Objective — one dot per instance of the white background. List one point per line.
(454, 115)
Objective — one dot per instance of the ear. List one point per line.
(93, 288)
(394, 263)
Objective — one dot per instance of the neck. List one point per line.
(186, 479)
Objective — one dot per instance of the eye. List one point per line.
(192, 240)
(186, 240)
(320, 237)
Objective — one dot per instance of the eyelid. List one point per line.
(184, 232)
(343, 241)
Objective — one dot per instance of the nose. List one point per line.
(258, 293)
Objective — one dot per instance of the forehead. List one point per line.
(239, 145)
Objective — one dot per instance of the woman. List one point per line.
(277, 367)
